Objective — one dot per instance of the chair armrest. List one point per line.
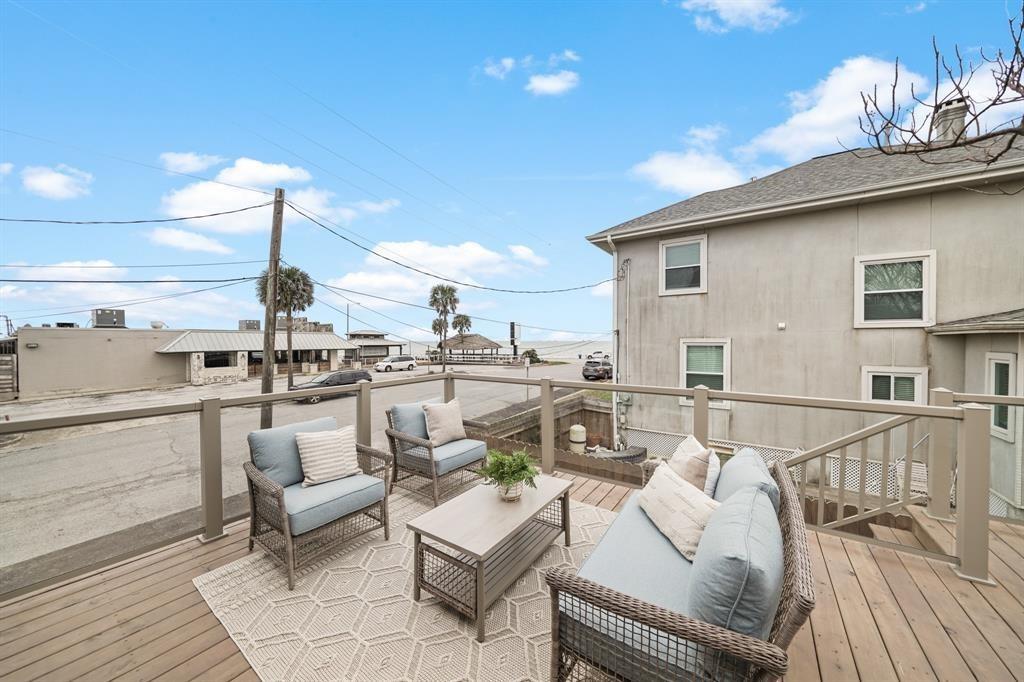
(409, 440)
(373, 462)
(760, 653)
(261, 482)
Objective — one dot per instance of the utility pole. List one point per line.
(270, 316)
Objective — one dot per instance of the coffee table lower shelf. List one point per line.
(470, 585)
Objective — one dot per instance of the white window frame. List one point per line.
(920, 375)
(701, 239)
(990, 386)
(726, 369)
(928, 293)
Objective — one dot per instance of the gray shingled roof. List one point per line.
(1011, 320)
(824, 176)
(201, 340)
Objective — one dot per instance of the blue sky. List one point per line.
(528, 126)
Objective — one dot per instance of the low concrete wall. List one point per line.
(66, 361)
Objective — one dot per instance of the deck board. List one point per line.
(881, 614)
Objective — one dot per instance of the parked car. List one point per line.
(597, 369)
(598, 355)
(339, 378)
(394, 362)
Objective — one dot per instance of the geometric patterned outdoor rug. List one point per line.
(351, 616)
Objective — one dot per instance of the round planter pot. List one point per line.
(511, 493)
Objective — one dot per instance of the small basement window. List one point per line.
(684, 265)
(214, 359)
(895, 384)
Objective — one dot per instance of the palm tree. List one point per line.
(462, 324)
(294, 294)
(444, 298)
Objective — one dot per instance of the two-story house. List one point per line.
(855, 275)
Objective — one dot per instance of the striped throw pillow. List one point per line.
(327, 455)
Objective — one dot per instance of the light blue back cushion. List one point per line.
(746, 469)
(737, 573)
(409, 418)
(275, 453)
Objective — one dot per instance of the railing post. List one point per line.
(940, 457)
(363, 433)
(211, 489)
(449, 387)
(547, 426)
(972, 457)
(700, 414)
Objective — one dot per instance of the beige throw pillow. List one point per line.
(678, 509)
(697, 464)
(444, 422)
(327, 455)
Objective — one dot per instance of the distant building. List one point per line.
(303, 324)
(373, 345)
(248, 325)
(60, 361)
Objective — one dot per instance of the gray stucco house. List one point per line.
(854, 275)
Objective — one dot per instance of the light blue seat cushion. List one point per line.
(634, 558)
(746, 469)
(737, 573)
(275, 453)
(309, 508)
(409, 418)
(458, 453)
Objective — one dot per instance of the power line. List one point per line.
(442, 277)
(393, 319)
(129, 302)
(119, 267)
(132, 222)
(128, 281)
(347, 314)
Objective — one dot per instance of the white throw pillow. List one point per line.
(444, 422)
(697, 464)
(678, 509)
(327, 455)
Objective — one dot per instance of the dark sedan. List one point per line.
(597, 369)
(327, 379)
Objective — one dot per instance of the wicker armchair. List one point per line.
(598, 632)
(415, 457)
(272, 524)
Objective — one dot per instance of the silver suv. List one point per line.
(395, 362)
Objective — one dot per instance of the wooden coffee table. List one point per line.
(479, 544)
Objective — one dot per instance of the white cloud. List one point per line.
(553, 83)
(564, 56)
(721, 16)
(825, 117)
(705, 136)
(250, 172)
(9, 291)
(6, 167)
(698, 168)
(916, 7)
(603, 290)
(187, 241)
(189, 162)
(203, 197)
(526, 254)
(61, 182)
(385, 206)
(500, 68)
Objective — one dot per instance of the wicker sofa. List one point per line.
(638, 610)
(297, 524)
(415, 456)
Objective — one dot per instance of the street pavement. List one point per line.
(62, 487)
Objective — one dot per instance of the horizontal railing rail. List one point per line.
(989, 399)
(969, 421)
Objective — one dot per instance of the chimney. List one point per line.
(949, 120)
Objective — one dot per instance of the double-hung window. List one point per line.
(897, 290)
(684, 266)
(895, 384)
(705, 362)
(1001, 379)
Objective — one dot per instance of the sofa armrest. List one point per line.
(647, 467)
(262, 483)
(373, 462)
(759, 653)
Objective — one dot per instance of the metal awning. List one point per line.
(208, 341)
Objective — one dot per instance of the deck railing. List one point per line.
(968, 421)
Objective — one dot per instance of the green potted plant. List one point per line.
(509, 472)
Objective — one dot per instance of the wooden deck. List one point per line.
(881, 615)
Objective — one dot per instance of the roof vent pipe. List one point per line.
(949, 120)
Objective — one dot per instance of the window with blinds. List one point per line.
(895, 384)
(1001, 380)
(705, 362)
(895, 291)
(683, 264)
